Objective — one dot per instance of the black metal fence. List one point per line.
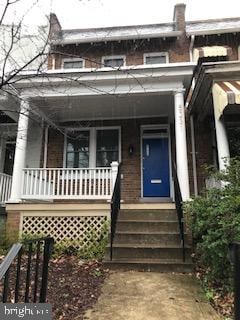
(115, 207)
(24, 271)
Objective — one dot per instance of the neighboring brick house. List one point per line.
(117, 95)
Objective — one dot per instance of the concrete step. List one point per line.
(147, 225)
(162, 214)
(154, 265)
(145, 237)
(148, 251)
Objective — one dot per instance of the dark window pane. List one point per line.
(155, 59)
(118, 62)
(107, 147)
(78, 150)
(73, 64)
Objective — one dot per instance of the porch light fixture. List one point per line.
(130, 149)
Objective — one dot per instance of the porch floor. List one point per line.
(153, 296)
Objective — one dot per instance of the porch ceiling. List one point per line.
(106, 107)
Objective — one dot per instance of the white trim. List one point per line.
(115, 57)
(157, 126)
(73, 60)
(92, 143)
(120, 118)
(156, 54)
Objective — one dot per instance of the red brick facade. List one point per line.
(178, 51)
(131, 164)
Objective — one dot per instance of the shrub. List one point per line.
(7, 237)
(215, 222)
(95, 248)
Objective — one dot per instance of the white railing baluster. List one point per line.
(106, 182)
(89, 182)
(71, 182)
(80, 172)
(58, 181)
(94, 182)
(53, 186)
(5, 187)
(64, 183)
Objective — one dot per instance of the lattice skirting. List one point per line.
(78, 231)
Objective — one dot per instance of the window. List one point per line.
(107, 147)
(78, 150)
(73, 63)
(92, 147)
(155, 58)
(113, 61)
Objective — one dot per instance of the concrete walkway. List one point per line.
(150, 296)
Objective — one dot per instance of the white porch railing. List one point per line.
(55, 183)
(5, 187)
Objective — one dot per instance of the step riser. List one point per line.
(147, 238)
(145, 215)
(149, 253)
(165, 268)
(147, 226)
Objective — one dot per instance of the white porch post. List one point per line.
(222, 144)
(181, 144)
(20, 152)
(114, 166)
(222, 140)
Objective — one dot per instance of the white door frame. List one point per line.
(155, 136)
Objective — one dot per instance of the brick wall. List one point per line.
(204, 149)
(13, 224)
(131, 164)
(178, 50)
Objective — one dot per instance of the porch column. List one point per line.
(222, 143)
(20, 152)
(181, 144)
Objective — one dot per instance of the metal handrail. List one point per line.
(179, 209)
(115, 207)
(43, 251)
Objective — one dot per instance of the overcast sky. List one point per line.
(101, 13)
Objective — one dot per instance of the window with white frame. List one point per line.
(114, 61)
(94, 147)
(73, 63)
(107, 147)
(155, 58)
(77, 150)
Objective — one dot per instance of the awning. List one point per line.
(211, 51)
(225, 93)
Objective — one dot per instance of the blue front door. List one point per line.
(155, 164)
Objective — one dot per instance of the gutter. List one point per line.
(214, 31)
(172, 34)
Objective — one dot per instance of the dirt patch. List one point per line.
(74, 286)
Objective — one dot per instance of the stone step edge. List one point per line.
(150, 261)
(127, 232)
(146, 221)
(147, 246)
